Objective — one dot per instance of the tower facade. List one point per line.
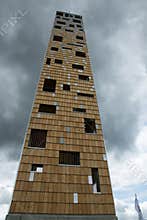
(63, 172)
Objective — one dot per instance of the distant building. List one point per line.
(63, 172)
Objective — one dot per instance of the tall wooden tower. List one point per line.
(63, 172)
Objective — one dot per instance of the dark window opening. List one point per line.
(80, 43)
(66, 19)
(48, 61)
(79, 26)
(59, 13)
(79, 37)
(82, 77)
(57, 27)
(77, 66)
(78, 16)
(57, 16)
(71, 25)
(68, 30)
(95, 179)
(69, 158)
(58, 61)
(57, 38)
(79, 110)
(47, 108)
(81, 29)
(77, 45)
(80, 54)
(77, 21)
(38, 138)
(37, 167)
(54, 48)
(66, 87)
(66, 15)
(66, 48)
(89, 125)
(85, 95)
(49, 85)
(61, 22)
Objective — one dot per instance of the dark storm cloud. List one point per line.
(120, 109)
(22, 50)
(22, 56)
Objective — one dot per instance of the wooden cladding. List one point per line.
(62, 161)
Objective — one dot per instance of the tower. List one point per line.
(63, 172)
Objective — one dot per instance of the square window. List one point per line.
(59, 13)
(78, 16)
(80, 54)
(75, 198)
(66, 15)
(71, 25)
(37, 168)
(79, 26)
(66, 48)
(57, 27)
(57, 61)
(77, 21)
(68, 129)
(49, 85)
(79, 37)
(61, 22)
(66, 19)
(90, 181)
(69, 158)
(85, 95)
(31, 177)
(82, 110)
(95, 180)
(66, 87)
(38, 138)
(54, 48)
(68, 30)
(77, 66)
(47, 108)
(57, 38)
(48, 61)
(62, 140)
(83, 77)
(89, 125)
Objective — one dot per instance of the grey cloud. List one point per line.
(21, 55)
(5, 195)
(119, 111)
(22, 52)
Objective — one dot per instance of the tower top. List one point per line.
(68, 14)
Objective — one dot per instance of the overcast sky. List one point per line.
(117, 41)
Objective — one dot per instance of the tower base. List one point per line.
(59, 217)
